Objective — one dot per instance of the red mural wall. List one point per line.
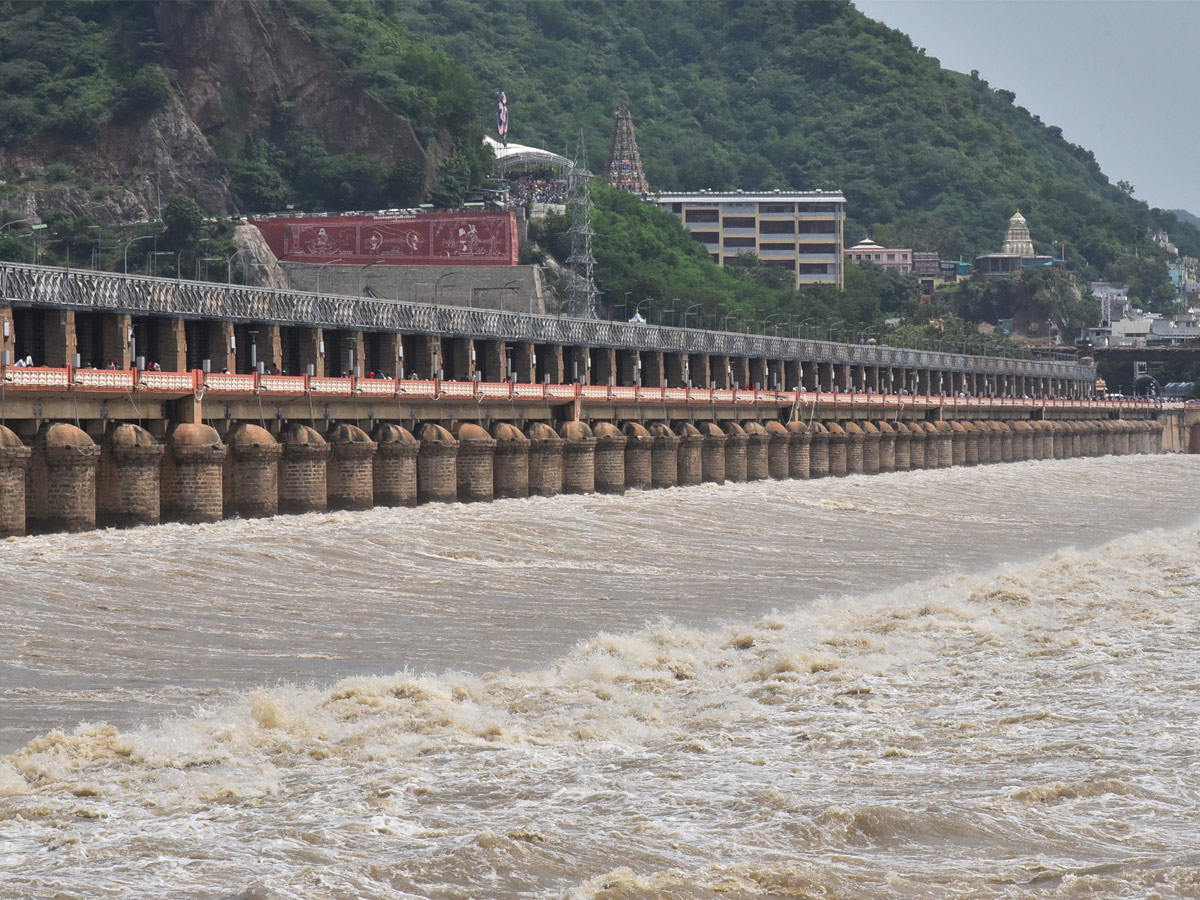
(429, 239)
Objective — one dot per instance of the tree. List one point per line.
(183, 220)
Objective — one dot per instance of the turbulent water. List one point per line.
(952, 683)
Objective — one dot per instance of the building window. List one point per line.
(739, 242)
(781, 263)
(778, 227)
(738, 222)
(706, 237)
(716, 257)
(812, 269)
(891, 257)
(809, 226)
(776, 207)
(676, 208)
(818, 248)
(773, 245)
(702, 215)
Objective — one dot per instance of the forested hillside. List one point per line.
(791, 94)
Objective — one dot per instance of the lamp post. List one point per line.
(206, 260)
(320, 267)
(687, 312)
(154, 255)
(131, 241)
(14, 222)
(362, 276)
(637, 309)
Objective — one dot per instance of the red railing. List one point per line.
(44, 380)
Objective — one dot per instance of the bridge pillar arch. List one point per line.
(793, 374)
(653, 368)
(115, 329)
(675, 367)
(550, 364)
(8, 338)
(60, 338)
(720, 372)
(741, 372)
(492, 360)
(523, 366)
(220, 346)
(577, 361)
(758, 374)
(172, 345)
(460, 359)
(629, 367)
(428, 357)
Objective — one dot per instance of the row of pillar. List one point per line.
(67, 482)
(54, 337)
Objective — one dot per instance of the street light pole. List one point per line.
(134, 240)
(687, 312)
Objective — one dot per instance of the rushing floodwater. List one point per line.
(952, 683)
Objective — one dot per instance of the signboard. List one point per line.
(429, 239)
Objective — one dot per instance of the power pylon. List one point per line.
(582, 295)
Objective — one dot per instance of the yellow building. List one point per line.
(800, 231)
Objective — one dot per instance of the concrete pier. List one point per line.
(799, 450)
(437, 465)
(60, 480)
(510, 466)
(14, 459)
(757, 440)
(128, 477)
(302, 482)
(190, 479)
(639, 447)
(887, 446)
(736, 442)
(818, 458)
(854, 448)
(610, 458)
(545, 461)
(349, 473)
(664, 463)
(779, 441)
(579, 458)
(917, 446)
(252, 472)
(689, 465)
(712, 452)
(394, 472)
(473, 465)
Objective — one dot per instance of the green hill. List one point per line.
(790, 94)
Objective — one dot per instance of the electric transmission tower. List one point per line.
(582, 295)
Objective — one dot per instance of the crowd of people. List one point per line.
(542, 187)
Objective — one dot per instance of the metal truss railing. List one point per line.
(50, 287)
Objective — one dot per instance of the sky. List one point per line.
(1119, 77)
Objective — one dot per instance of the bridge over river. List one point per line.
(152, 399)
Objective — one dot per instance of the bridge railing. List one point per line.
(45, 381)
(26, 285)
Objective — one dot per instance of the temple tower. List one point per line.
(624, 164)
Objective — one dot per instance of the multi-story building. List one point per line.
(867, 251)
(796, 230)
